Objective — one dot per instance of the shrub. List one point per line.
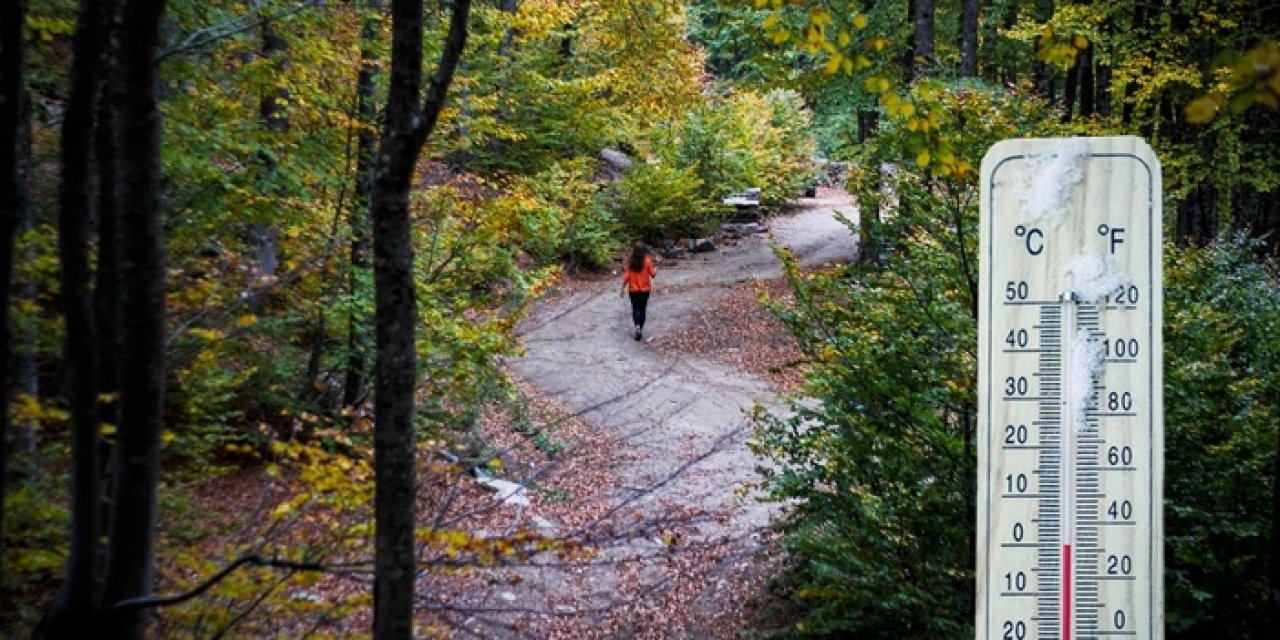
(1222, 389)
(657, 201)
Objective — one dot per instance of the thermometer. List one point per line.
(1070, 407)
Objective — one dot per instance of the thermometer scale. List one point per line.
(1070, 452)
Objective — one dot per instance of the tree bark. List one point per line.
(969, 39)
(11, 88)
(129, 570)
(366, 111)
(922, 42)
(25, 379)
(1069, 91)
(407, 127)
(107, 301)
(1086, 82)
(72, 608)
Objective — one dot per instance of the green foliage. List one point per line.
(567, 222)
(656, 201)
(1222, 386)
(746, 140)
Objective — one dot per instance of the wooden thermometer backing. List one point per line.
(1070, 407)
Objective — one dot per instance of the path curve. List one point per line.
(676, 413)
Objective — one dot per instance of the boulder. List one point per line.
(703, 245)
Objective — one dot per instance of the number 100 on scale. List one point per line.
(1070, 451)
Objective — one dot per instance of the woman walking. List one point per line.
(637, 281)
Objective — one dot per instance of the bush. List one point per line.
(656, 201)
(568, 223)
(1222, 389)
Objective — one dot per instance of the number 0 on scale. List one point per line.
(1071, 445)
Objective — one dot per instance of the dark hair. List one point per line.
(638, 254)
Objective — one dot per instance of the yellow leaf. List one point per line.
(106, 430)
(1203, 109)
(923, 158)
(1081, 42)
(844, 38)
(167, 436)
(770, 21)
(833, 65)
(847, 66)
(863, 62)
(495, 463)
(760, 3)
(860, 21)
(246, 320)
(913, 124)
(882, 84)
(908, 110)
(781, 37)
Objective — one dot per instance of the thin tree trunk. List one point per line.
(909, 56)
(1069, 91)
(408, 125)
(366, 111)
(129, 571)
(73, 606)
(1102, 90)
(25, 378)
(923, 55)
(868, 211)
(107, 302)
(11, 83)
(969, 39)
(1040, 72)
(1086, 82)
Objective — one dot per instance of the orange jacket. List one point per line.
(640, 280)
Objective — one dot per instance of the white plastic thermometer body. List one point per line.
(1070, 453)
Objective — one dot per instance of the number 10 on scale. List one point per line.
(1070, 452)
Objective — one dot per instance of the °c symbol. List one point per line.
(1103, 229)
(1019, 231)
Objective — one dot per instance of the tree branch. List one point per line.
(253, 559)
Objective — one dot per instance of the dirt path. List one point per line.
(683, 420)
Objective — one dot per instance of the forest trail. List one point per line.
(683, 421)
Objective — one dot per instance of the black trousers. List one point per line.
(639, 301)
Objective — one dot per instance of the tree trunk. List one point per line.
(407, 127)
(107, 302)
(1102, 90)
(1041, 73)
(922, 42)
(25, 378)
(909, 56)
(11, 84)
(1086, 82)
(129, 569)
(1069, 91)
(366, 112)
(969, 39)
(869, 210)
(72, 609)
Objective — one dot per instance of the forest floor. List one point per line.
(673, 414)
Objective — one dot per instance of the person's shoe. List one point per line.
(638, 336)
